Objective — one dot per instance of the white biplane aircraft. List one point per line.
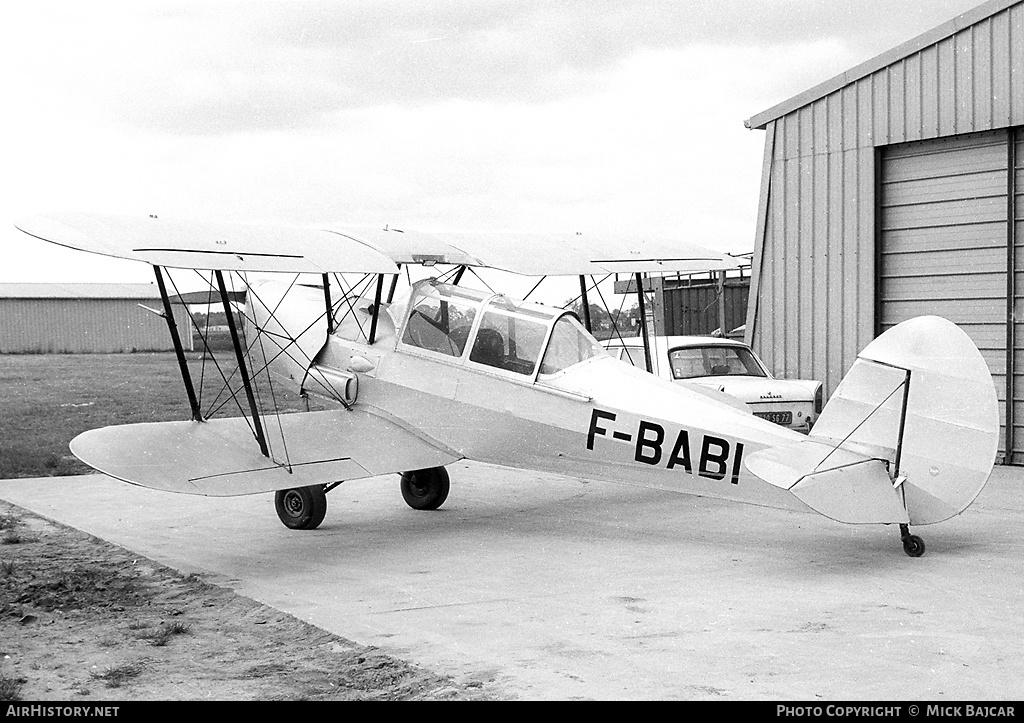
(444, 373)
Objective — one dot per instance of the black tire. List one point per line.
(913, 545)
(425, 489)
(302, 508)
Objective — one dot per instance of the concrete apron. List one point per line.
(559, 589)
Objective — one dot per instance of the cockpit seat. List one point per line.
(489, 348)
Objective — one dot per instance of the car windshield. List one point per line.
(714, 361)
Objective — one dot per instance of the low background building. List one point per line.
(693, 305)
(82, 318)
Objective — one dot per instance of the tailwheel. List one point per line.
(425, 489)
(912, 544)
(301, 508)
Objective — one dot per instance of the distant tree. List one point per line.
(216, 318)
(599, 318)
(628, 320)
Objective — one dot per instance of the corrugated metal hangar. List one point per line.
(78, 318)
(895, 190)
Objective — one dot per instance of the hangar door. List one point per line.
(951, 243)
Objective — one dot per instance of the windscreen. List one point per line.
(570, 344)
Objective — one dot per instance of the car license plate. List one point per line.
(777, 417)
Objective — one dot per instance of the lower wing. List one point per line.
(217, 458)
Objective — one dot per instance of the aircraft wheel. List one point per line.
(425, 489)
(302, 508)
(913, 545)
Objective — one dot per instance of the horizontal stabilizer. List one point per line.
(219, 457)
(841, 484)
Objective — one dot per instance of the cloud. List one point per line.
(218, 68)
(531, 115)
(541, 50)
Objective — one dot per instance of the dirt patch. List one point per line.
(84, 620)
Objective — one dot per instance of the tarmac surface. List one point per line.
(562, 589)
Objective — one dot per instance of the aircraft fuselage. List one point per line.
(601, 419)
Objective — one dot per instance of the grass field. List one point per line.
(84, 620)
(48, 399)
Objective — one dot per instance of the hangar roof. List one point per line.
(889, 57)
(79, 291)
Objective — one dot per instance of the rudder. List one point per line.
(923, 391)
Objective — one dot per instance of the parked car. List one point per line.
(731, 367)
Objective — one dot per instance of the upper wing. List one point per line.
(204, 245)
(586, 254)
(242, 247)
(217, 458)
(535, 254)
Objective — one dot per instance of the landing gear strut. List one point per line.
(912, 544)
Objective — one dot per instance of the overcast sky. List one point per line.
(474, 114)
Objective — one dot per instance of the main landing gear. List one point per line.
(912, 544)
(425, 489)
(303, 508)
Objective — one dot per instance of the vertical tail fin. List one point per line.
(909, 437)
(922, 390)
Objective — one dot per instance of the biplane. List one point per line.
(409, 383)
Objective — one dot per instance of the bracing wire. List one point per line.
(350, 293)
(247, 357)
(615, 326)
(270, 380)
(860, 424)
(534, 288)
(578, 297)
(213, 357)
(290, 343)
(214, 406)
(203, 336)
(285, 346)
(473, 271)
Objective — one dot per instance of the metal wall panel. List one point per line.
(1016, 229)
(814, 261)
(943, 240)
(816, 266)
(57, 326)
(971, 81)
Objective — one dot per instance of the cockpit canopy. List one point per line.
(490, 330)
